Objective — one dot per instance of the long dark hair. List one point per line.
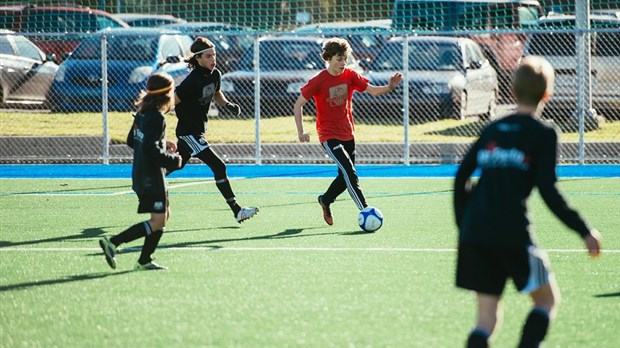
(199, 45)
(159, 94)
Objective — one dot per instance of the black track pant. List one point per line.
(343, 153)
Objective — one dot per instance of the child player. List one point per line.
(152, 157)
(193, 98)
(332, 90)
(515, 154)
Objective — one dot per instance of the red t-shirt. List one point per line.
(332, 97)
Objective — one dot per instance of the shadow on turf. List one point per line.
(612, 294)
(86, 234)
(68, 279)
(66, 190)
(214, 244)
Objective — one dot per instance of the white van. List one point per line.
(558, 46)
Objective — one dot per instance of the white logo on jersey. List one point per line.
(494, 156)
(158, 205)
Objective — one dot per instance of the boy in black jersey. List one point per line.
(193, 99)
(152, 157)
(515, 154)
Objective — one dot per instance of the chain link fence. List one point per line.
(78, 108)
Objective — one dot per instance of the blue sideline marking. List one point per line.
(112, 171)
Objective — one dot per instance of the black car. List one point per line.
(26, 73)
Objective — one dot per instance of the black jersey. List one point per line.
(196, 93)
(514, 154)
(150, 158)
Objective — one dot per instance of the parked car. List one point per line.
(480, 19)
(558, 46)
(366, 38)
(231, 41)
(143, 20)
(26, 73)
(286, 64)
(133, 55)
(448, 77)
(59, 29)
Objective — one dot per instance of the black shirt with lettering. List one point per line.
(196, 93)
(147, 137)
(514, 155)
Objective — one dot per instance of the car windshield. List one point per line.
(563, 44)
(135, 48)
(422, 56)
(286, 55)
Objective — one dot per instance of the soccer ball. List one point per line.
(370, 219)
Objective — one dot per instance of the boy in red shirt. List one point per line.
(332, 90)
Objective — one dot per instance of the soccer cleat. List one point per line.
(151, 266)
(109, 250)
(246, 213)
(327, 211)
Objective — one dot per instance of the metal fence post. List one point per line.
(104, 98)
(257, 149)
(406, 100)
(584, 77)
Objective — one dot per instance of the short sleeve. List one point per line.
(359, 82)
(310, 88)
(185, 90)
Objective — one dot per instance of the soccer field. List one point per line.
(283, 278)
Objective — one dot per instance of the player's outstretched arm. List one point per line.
(376, 91)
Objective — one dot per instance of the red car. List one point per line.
(56, 30)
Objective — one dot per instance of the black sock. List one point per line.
(478, 338)
(134, 232)
(234, 206)
(535, 328)
(150, 244)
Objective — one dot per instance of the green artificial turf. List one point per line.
(283, 278)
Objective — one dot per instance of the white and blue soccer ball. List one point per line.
(370, 219)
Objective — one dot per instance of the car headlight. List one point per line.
(294, 87)
(227, 86)
(436, 89)
(140, 74)
(60, 74)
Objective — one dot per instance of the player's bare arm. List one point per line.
(380, 90)
(298, 113)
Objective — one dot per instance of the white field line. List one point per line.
(112, 193)
(329, 249)
(170, 187)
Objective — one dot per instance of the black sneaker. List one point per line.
(109, 250)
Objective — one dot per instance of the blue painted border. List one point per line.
(101, 171)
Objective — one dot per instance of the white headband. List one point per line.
(206, 49)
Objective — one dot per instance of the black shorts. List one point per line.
(485, 269)
(153, 203)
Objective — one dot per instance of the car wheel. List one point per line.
(459, 109)
(491, 113)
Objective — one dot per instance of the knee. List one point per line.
(158, 222)
(547, 297)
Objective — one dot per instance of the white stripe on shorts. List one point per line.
(197, 145)
(539, 269)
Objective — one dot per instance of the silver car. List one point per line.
(448, 77)
(26, 73)
(558, 46)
